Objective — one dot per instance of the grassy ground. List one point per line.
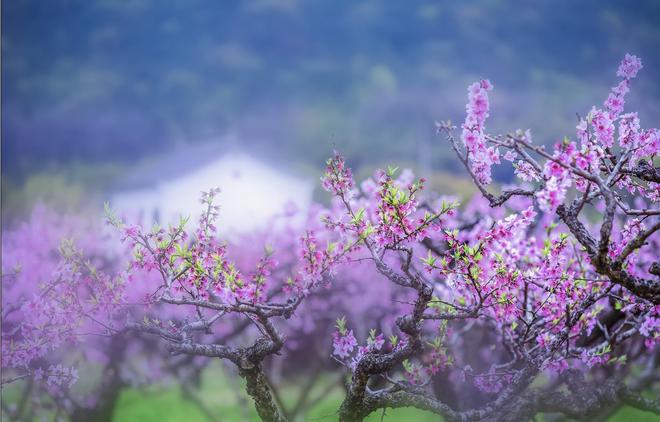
(223, 397)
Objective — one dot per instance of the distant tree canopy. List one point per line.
(112, 80)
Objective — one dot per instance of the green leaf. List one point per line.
(429, 260)
(110, 216)
(341, 325)
(393, 340)
(357, 219)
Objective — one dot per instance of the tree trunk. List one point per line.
(110, 388)
(259, 390)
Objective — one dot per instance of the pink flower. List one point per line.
(131, 231)
(582, 133)
(629, 130)
(529, 213)
(554, 169)
(343, 345)
(338, 178)
(526, 172)
(614, 104)
(553, 194)
(603, 127)
(480, 156)
(649, 327)
(622, 88)
(629, 66)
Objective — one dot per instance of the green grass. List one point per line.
(223, 396)
(162, 405)
(630, 414)
(166, 405)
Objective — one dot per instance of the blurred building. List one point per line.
(252, 191)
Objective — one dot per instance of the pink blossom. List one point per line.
(338, 178)
(526, 172)
(603, 127)
(629, 66)
(343, 344)
(481, 157)
(553, 194)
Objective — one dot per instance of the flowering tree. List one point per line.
(559, 293)
(58, 295)
(198, 277)
(49, 289)
(48, 315)
(543, 298)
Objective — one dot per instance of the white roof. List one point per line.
(251, 193)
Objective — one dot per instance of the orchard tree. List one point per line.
(566, 284)
(56, 295)
(56, 328)
(48, 291)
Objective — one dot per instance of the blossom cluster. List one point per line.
(480, 155)
(592, 153)
(338, 178)
(51, 288)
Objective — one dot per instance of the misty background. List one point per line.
(93, 90)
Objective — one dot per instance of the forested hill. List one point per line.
(118, 80)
